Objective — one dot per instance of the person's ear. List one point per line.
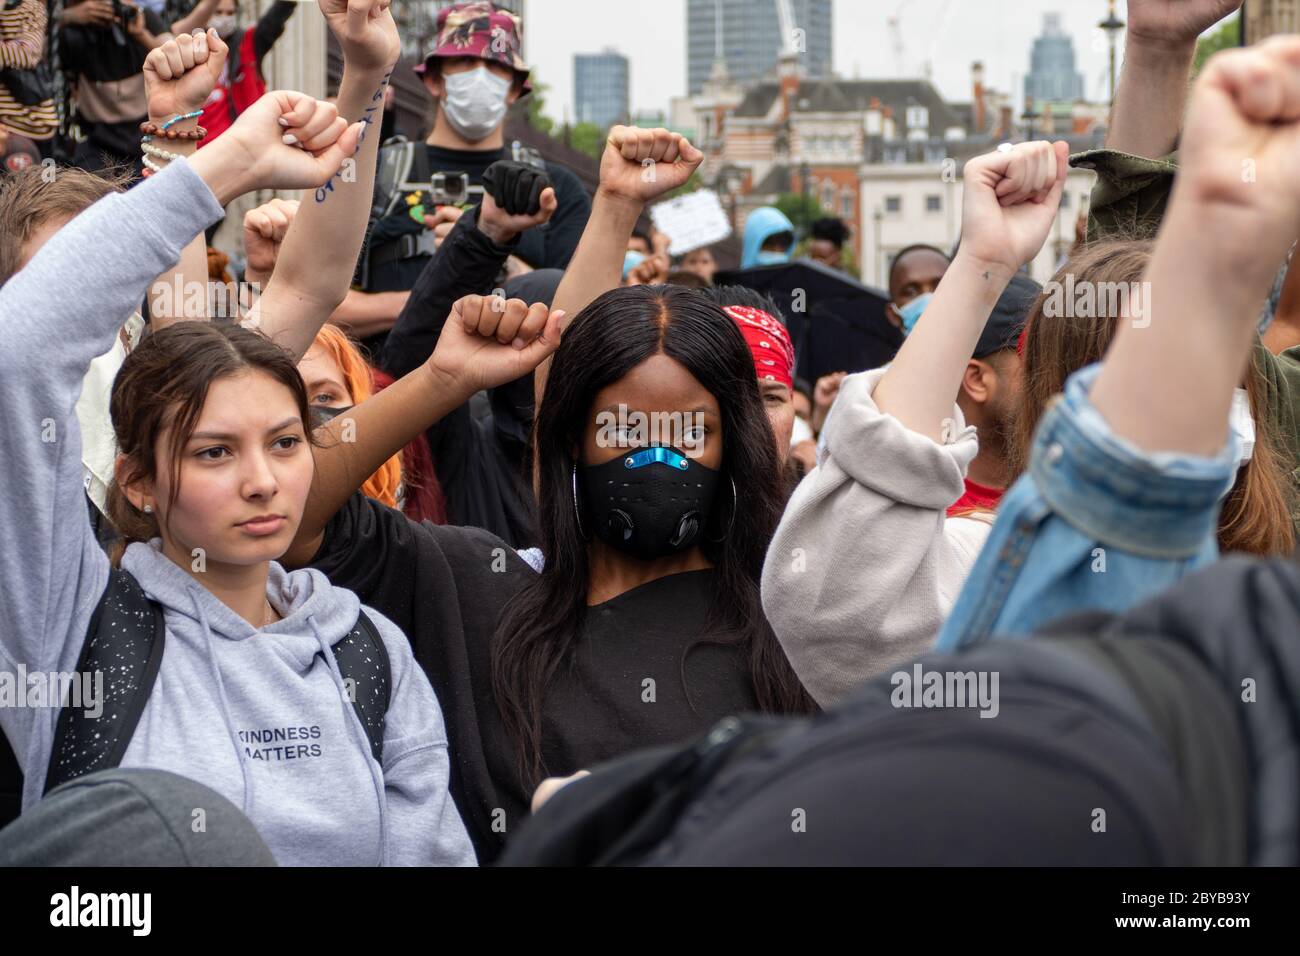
(516, 91)
(432, 80)
(977, 381)
(894, 316)
(138, 491)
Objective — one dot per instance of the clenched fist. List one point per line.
(1010, 201)
(488, 341)
(516, 196)
(1240, 144)
(643, 164)
(180, 75)
(264, 230)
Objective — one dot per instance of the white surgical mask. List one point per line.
(802, 431)
(475, 102)
(1243, 423)
(224, 25)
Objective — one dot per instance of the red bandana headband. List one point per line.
(768, 340)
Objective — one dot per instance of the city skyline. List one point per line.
(950, 33)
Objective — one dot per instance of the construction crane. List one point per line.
(785, 17)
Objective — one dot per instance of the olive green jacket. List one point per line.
(1128, 202)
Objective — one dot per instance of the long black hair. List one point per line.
(604, 342)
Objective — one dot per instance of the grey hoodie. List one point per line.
(258, 715)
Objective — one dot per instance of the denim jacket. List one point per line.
(1095, 524)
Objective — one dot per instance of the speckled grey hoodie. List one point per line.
(258, 715)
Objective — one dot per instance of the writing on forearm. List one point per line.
(348, 171)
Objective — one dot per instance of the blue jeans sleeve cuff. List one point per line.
(1154, 504)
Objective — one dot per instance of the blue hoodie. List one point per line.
(763, 222)
(259, 715)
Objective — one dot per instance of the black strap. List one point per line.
(124, 645)
(363, 661)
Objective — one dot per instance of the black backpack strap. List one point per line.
(363, 660)
(124, 644)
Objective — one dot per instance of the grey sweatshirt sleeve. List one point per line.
(865, 565)
(56, 315)
(424, 827)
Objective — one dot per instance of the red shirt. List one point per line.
(977, 496)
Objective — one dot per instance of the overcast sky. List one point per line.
(949, 34)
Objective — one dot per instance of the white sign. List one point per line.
(691, 221)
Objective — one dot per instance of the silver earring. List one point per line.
(731, 521)
(148, 509)
(577, 512)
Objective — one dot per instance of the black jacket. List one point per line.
(479, 458)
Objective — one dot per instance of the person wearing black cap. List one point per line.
(867, 562)
(989, 389)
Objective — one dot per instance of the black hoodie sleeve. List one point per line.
(467, 262)
(478, 477)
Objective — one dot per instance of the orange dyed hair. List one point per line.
(383, 484)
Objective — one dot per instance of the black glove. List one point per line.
(516, 188)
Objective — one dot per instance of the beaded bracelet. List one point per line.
(165, 131)
(152, 129)
(158, 153)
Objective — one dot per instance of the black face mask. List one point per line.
(649, 502)
(322, 415)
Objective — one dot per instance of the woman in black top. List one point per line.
(644, 625)
(619, 641)
(638, 621)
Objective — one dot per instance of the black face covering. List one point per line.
(649, 502)
(322, 414)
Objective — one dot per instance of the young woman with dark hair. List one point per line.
(638, 621)
(702, 642)
(212, 477)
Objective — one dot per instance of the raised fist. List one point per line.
(1010, 202)
(285, 140)
(488, 341)
(365, 30)
(516, 196)
(643, 164)
(1237, 157)
(180, 75)
(264, 230)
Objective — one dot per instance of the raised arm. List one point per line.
(1129, 468)
(1167, 382)
(1158, 50)
(638, 165)
(485, 343)
(270, 26)
(178, 76)
(61, 311)
(1010, 201)
(315, 266)
(864, 565)
(517, 197)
